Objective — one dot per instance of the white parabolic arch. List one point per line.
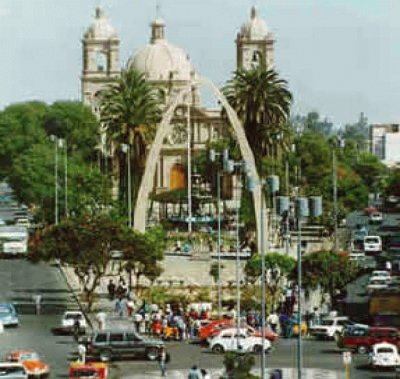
(165, 128)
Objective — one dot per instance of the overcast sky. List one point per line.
(341, 57)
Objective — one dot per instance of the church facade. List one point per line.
(170, 70)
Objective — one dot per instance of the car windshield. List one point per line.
(371, 240)
(384, 350)
(73, 316)
(84, 373)
(5, 311)
(29, 357)
(327, 322)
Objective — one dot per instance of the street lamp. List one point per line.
(272, 185)
(127, 150)
(58, 142)
(229, 167)
(213, 154)
(339, 144)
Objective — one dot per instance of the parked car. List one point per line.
(375, 218)
(357, 255)
(384, 355)
(108, 345)
(70, 317)
(12, 371)
(372, 244)
(228, 340)
(8, 315)
(30, 360)
(361, 340)
(22, 221)
(330, 327)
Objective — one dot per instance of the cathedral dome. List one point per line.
(161, 60)
(254, 29)
(101, 27)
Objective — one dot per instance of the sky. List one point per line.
(340, 57)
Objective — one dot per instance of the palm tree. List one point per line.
(262, 101)
(129, 112)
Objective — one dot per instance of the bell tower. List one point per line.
(254, 44)
(101, 49)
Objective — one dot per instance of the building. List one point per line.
(385, 143)
(169, 68)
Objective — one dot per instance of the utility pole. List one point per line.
(189, 168)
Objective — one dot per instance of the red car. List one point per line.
(212, 327)
(362, 339)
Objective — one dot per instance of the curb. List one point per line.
(75, 296)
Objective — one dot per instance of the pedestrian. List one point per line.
(118, 307)
(76, 329)
(194, 373)
(111, 290)
(388, 266)
(129, 306)
(273, 321)
(38, 300)
(163, 360)
(101, 320)
(82, 353)
(205, 374)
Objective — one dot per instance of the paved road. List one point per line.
(19, 280)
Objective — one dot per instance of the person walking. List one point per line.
(205, 374)
(111, 290)
(82, 353)
(163, 360)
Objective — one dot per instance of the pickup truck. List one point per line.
(330, 327)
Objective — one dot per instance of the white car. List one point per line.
(381, 274)
(376, 218)
(69, 318)
(357, 255)
(377, 283)
(372, 244)
(227, 340)
(23, 221)
(384, 355)
(330, 327)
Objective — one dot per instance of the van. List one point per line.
(372, 244)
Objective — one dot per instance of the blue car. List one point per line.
(8, 315)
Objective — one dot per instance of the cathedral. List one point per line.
(169, 69)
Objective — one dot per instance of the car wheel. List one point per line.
(217, 349)
(152, 354)
(257, 349)
(362, 349)
(105, 356)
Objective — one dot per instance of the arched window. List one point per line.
(101, 61)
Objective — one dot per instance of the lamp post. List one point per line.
(229, 166)
(58, 142)
(189, 168)
(339, 144)
(213, 155)
(127, 150)
(271, 184)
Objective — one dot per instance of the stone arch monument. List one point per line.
(165, 128)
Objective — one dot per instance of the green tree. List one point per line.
(357, 132)
(277, 267)
(130, 109)
(262, 101)
(76, 123)
(84, 243)
(21, 126)
(329, 270)
(142, 253)
(238, 365)
(32, 179)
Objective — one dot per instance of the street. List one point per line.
(20, 279)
